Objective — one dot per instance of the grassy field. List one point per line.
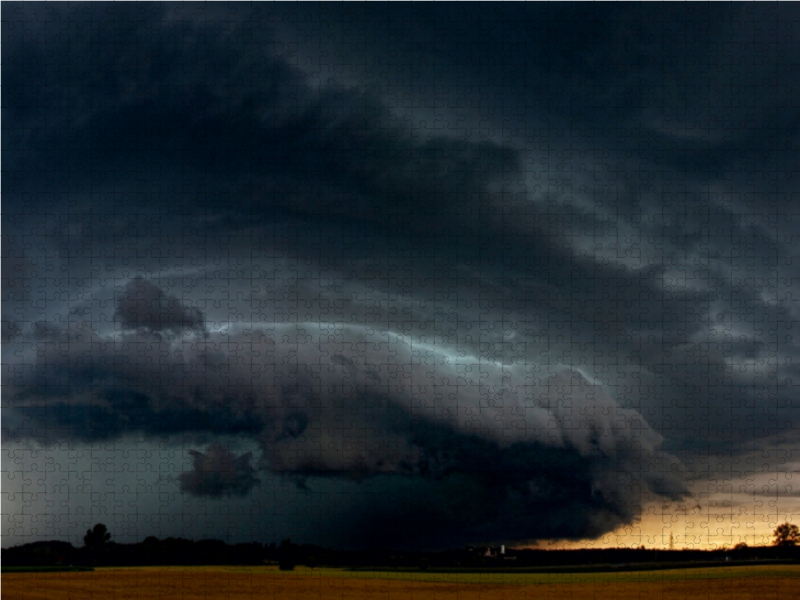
(48, 569)
(207, 583)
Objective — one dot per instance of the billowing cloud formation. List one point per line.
(144, 304)
(260, 139)
(527, 440)
(447, 222)
(218, 471)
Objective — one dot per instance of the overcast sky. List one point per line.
(383, 274)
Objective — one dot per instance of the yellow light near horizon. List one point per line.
(715, 522)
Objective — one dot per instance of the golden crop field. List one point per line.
(217, 583)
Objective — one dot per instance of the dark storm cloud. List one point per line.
(144, 304)
(481, 278)
(350, 402)
(218, 471)
(276, 145)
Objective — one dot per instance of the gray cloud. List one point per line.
(218, 471)
(293, 150)
(316, 201)
(144, 304)
(335, 401)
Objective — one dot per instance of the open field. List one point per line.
(48, 569)
(207, 583)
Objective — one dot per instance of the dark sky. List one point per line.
(383, 274)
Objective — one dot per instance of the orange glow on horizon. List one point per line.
(717, 523)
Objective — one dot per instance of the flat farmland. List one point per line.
(211, 583)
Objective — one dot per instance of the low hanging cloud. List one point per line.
(488, 218)
(144, 304)
(541, 451)
(218, 471)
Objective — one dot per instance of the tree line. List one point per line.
(99, 550)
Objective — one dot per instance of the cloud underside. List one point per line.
(144, 304)
(218, 471)
(596, 207)
(512, 452)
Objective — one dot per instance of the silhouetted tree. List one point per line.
(95, 541)
(786, 534)
(286, 552)
(96, 537)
